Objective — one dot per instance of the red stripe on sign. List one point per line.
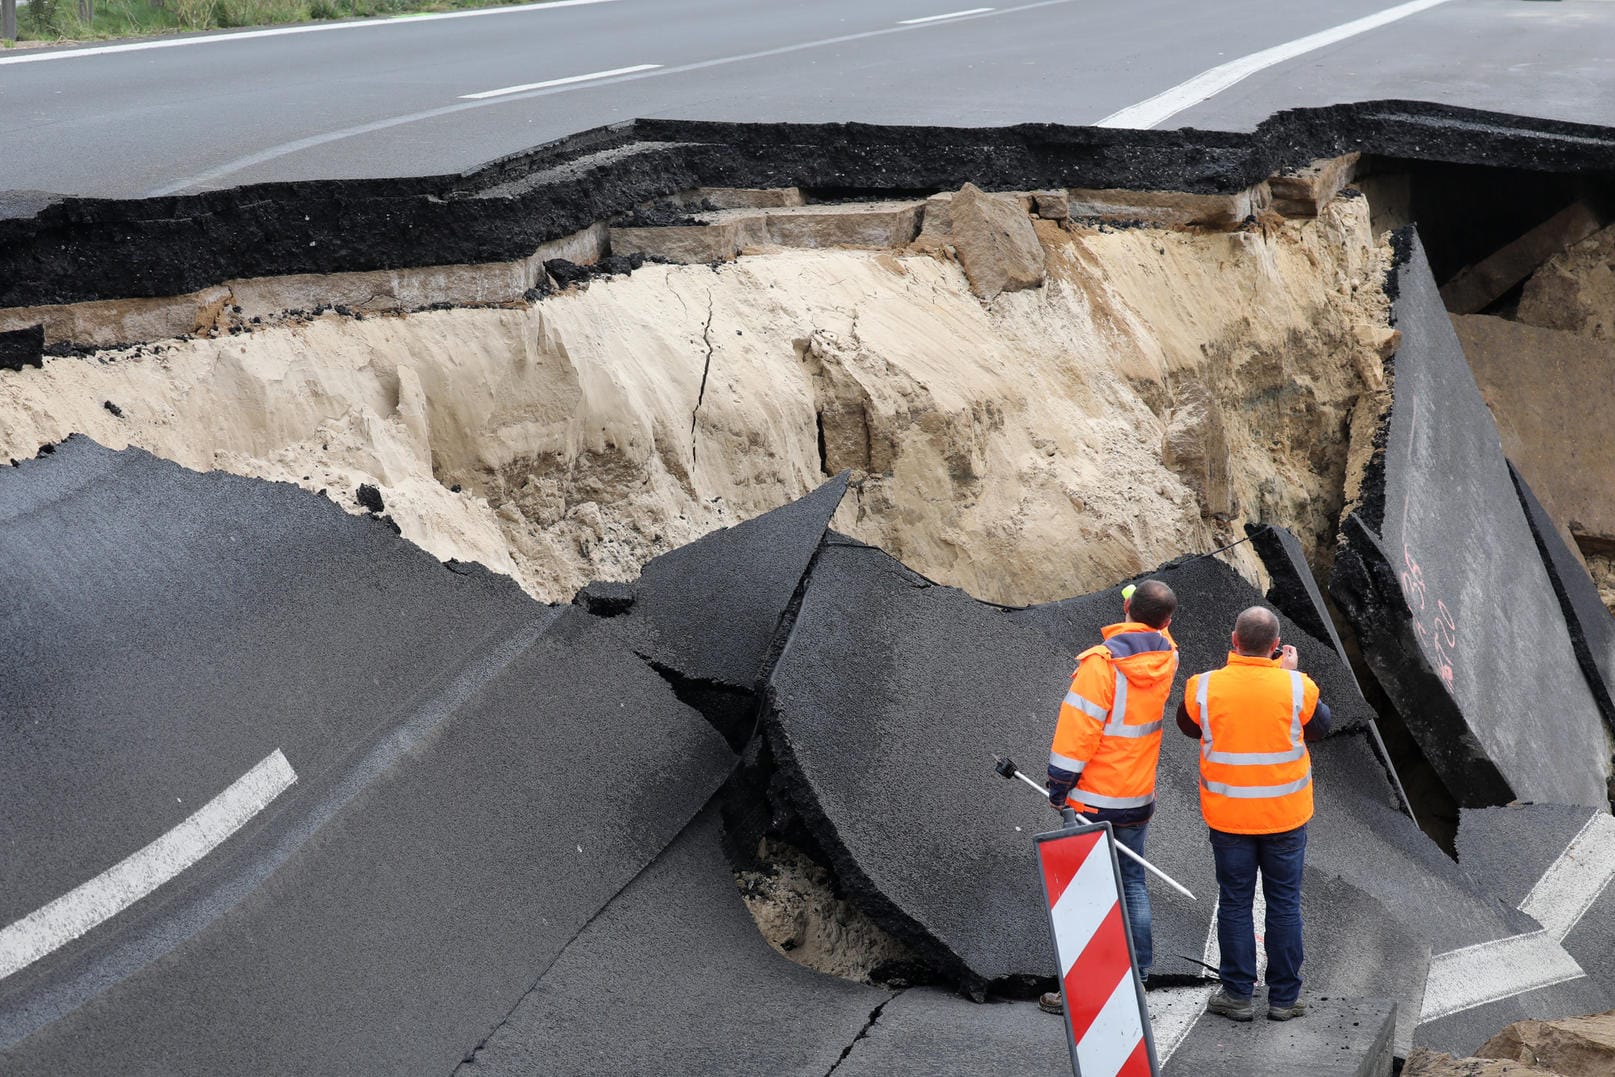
(1103, 962)
(1138, 1063)
(1062, 859)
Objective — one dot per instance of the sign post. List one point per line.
(1106, 1020)
(8, 20)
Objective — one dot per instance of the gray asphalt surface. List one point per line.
(385, 98)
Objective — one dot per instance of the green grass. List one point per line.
(93, 20)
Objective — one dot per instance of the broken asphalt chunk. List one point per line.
(706, 615)
(1441, 579)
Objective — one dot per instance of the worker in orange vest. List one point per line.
(1108, 740)
(1253, 718)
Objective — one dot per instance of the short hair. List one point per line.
(1153, 603)
(1256, 631)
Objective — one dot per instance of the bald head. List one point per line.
(1256, 632)
(1153, 603)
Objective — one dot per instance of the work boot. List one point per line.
(1284, 1013)
(1051, 1002)
(1230, 1006)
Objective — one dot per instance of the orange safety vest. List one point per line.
(1109, 732)
(1255, 773)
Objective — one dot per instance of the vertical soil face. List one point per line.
(1158, 390)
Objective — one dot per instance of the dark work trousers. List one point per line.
(1134, 895)
(1279, 858)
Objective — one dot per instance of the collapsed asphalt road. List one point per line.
(352, 809)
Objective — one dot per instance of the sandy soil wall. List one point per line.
(1160, 388)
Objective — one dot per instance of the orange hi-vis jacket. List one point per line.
(1255, 773)
(1109, 732)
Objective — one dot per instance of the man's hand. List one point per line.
(1288, 658)
(1058, 791)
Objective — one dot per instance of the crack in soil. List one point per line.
(701, 394)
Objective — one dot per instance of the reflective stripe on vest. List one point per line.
(1065, 762)
(1094, 800)
(1251, 759)
(1252, 792)
(1087, 706)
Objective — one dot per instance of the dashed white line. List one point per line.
(229, 168)
(59, 922)
(569, 80)
(1169, 103)
(949, 15)
(1575, 880)
(286, 31)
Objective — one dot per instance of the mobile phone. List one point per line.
(1278, 652)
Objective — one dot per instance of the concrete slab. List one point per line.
(441, 844)
(1305, 191)
(1591, 626)
(673, 977)
(1339, 1038)
(872, 225)
(1437, 545)
(707, 614)
(685, 243)
(1169, 208)
(893, 694)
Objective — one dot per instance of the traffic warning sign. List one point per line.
(1107, 1024)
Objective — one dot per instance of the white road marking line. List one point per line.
(286, 31)
(1491, 971)
(61, 921)
(1173, 1012)
(1575, 880)
(203, 179)
(949, 15)
(1169, 103)
(568, 81)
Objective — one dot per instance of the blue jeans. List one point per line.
(1279, 858)
(1134, 896)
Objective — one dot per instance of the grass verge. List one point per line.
(96, 20)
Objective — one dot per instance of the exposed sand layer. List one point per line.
(798, 912)
(1159, 389)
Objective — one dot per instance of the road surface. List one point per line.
(419, 95)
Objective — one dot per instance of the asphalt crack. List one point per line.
(874, 1015)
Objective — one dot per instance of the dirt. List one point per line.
(1602, 568)
(1161, 388)
(797, 910)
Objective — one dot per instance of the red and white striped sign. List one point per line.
(1106, 1020)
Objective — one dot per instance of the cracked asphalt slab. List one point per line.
(1438, 543)
(387, 910)
(707, 614)
(876, 650)
(1591, 625)
(673, 977)
(173, 628)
